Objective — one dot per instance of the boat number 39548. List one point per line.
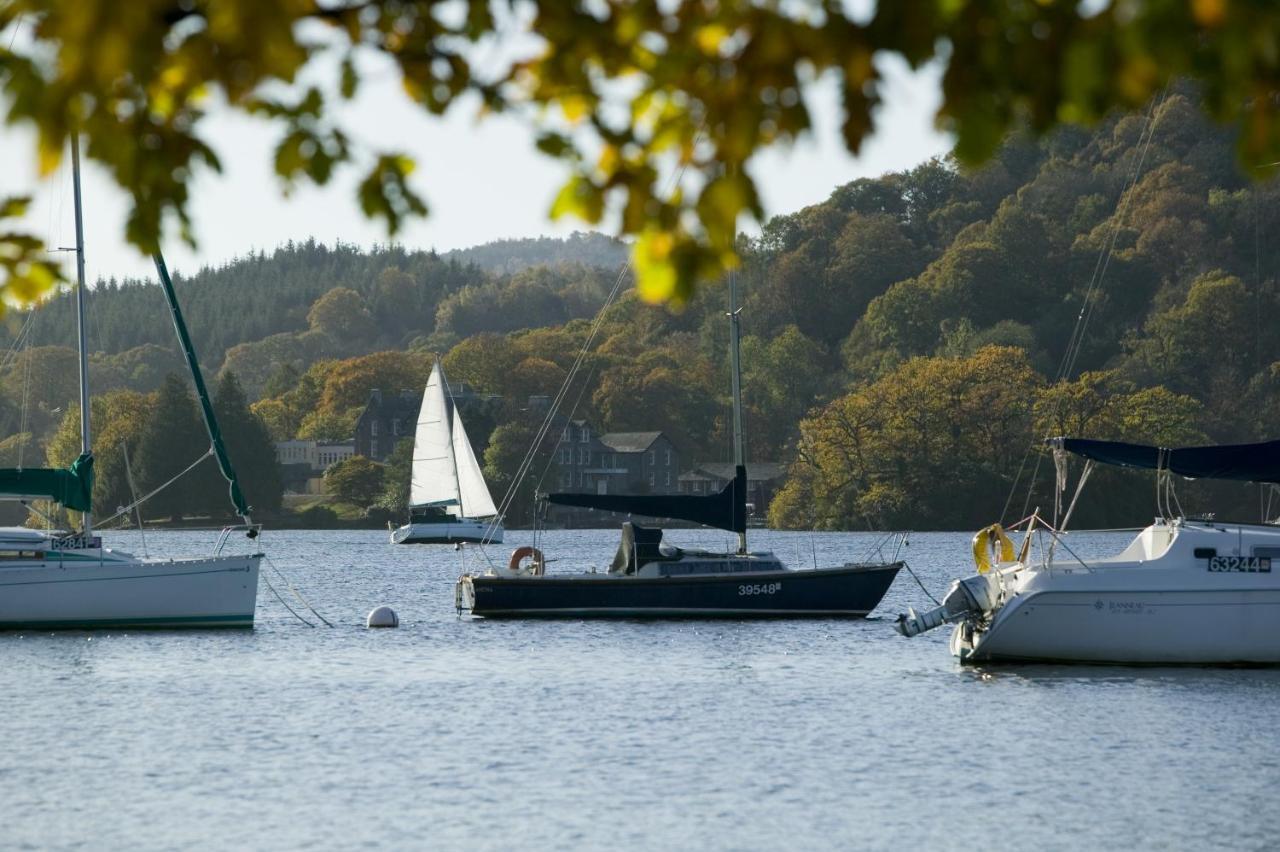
(760, 589)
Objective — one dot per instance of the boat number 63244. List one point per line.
(760, 589)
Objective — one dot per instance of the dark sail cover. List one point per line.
(1246, 462)
(72, 487)
(726, 510)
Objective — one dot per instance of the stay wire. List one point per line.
(1076, 342)
(127, 509)
(527, 462)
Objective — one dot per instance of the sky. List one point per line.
(482, 180)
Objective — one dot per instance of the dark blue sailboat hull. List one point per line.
(846, 592)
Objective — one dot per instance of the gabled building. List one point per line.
(612, 463)
(385, 420)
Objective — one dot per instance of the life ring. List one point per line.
(519, 554)
(988, 542)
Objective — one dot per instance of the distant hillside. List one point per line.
(263, 294)
(904, 333)
(586, 248)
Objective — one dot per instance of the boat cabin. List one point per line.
(643, 553)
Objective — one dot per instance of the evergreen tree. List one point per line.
(172, 438)
(250, 446)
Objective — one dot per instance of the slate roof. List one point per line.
(756, 471)
(629, 442)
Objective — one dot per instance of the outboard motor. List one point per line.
(978, 595)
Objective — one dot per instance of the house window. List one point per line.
(566, 480)
(584, 456)
(653, 457)
(668, 479)
(373, 448)
(651, 478)
(395, 430)
(586, 434)
(564, 436)
(668, 458)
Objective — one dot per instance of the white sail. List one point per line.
(476, 500)
(435, 480)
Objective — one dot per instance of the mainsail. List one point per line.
(445, 471)
(435, 478)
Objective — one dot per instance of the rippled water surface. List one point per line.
(456, 732)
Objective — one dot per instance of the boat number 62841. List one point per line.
(760, 589)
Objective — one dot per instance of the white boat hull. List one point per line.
(1104, 626)
(92, 593)
(1159, 602)
(448, 532)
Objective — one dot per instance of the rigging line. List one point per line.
(283, 602)
(19, 342)
(527, 463)
(927, 593)
(1091, 302)
(17, 25)
(26, 395)
(572, 411)
(296, 593)
(127, 509)
(1075, 344)
(133, 495)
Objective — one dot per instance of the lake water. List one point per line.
(451, 733)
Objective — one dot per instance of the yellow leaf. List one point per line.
(50, 157)
(575, 107)
(656, 276)
(1209, 13)
(710, 37)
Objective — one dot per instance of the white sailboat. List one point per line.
(448, 498)
(1183, 592)
(56, 580)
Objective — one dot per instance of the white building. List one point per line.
(303, 463)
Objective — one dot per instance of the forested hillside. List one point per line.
(903, 338)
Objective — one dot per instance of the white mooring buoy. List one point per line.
(382, 616)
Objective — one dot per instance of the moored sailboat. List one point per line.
(650, 578)
(448, 498)
(55, 580)
(1182, 592)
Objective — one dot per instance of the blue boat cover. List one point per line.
(1246, 462)
(726, 510)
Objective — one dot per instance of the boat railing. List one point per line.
(251, 531)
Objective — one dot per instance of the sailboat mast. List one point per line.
(451, 411)
(735, 369)
(81, 337)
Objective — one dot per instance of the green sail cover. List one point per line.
(210, 421)
(72, 487)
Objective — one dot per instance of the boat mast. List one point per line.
(735, 369)
(451, 410)
(81, 338)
